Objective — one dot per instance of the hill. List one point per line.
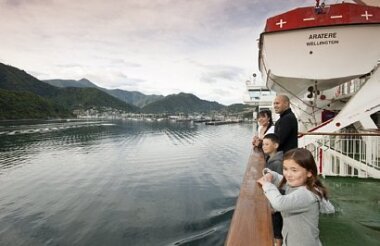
(238, 108)
(14, 79)
(243, 110)
(182, 103)
(85, 98)
(69, 95)
(62, 83)
(134, 97)
(131, 97)
(27, 105)
(60, 99)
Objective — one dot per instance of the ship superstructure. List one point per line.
(326, 59)
(260, 97)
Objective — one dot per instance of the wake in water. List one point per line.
(48, 127)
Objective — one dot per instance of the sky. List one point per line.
(204, 47)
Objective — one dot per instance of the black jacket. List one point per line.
(286, 129)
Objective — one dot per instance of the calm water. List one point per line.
(144, 183)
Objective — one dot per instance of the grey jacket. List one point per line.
(299, 208)
(275, 163)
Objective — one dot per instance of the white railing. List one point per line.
(349, 88)
(345, 154)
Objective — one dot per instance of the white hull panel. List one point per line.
(323, 56)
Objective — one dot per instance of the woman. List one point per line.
(265, 126)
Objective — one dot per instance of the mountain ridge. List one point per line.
(182, 102)
(49, 101)
(136, 98)
(61, 99)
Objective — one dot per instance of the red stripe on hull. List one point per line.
(337, 14)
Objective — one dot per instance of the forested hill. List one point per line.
(27, 105)
(134, 97)
(14, 79)
(182, 102)
(176, 103)
(131, 97)
(84, 98)
(238, 108)
(62, 83)
(24, 96)
(31, 91)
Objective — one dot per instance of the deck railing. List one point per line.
(252, 221)
(346, 154)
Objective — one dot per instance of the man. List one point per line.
(286, 128)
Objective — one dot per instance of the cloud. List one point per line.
(69, 66)
(37, 74)
(124, 63)
(19, 3)
(161, 46)
(215, 73)
(221, 92)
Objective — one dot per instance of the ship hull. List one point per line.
(293, 60)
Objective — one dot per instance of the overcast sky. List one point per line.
(204, 47)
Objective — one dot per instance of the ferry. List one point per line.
(326, 59)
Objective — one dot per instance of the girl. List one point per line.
(265, 126)
(305, 197)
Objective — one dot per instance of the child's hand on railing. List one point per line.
(266, 178)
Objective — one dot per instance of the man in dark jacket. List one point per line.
(286, 128)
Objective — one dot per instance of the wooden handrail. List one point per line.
(252, 221)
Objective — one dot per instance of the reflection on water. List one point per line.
(136, 183)
(125, 183)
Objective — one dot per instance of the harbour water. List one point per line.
(144, 183)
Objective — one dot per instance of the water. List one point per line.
(143, 183)
(119, 183)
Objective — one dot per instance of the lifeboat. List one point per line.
(319, 47)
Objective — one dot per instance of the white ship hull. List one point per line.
(293, 60)
(326, 59)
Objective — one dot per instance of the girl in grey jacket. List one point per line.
(305, 197)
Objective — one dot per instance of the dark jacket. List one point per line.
(275, 163)
(286, 129)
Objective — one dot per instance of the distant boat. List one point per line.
(223, 122)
